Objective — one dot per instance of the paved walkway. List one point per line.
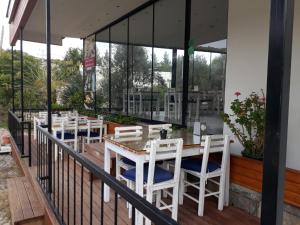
(8, 169)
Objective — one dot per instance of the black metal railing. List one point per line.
(17, 129)
(74, 187)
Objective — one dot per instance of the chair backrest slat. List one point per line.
(128, 131)
(157, 127)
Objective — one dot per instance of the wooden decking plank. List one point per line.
(24, 200)
(35, 205)
(15, 205)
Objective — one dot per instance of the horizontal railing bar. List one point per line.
(138, 202)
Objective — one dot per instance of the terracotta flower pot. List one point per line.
(5, 140)
(111, 127)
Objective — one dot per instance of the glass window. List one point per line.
(102, 70)
(168, 60)
(119, 67)
(207, 50)
(140, 63)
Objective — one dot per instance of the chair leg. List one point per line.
(149, 199)
(222, 192)
(175, 203)
(166, 165)
(130, 185)
(181, 187)
(158, 198)
(55, 152)
(118, 169)
(201, 197)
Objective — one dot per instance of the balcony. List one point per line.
(76, 187)
(160, 62)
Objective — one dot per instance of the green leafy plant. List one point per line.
(121, 119)
(247, 123)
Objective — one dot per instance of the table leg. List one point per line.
(107, 169)
(139, 187)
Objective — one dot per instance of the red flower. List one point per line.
(237, 94)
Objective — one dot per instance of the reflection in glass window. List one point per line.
(140, 64)
(168, 60)
(119, 67)
(102, 70)
(207, 63)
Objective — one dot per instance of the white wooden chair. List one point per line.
(68, 133)
(157, 179)
(206, 171)
(155, 129)
(94, 131)
(126, 132)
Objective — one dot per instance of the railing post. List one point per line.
(29, 143)
(48, 41)
(12, 78)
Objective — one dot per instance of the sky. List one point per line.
(35, 49)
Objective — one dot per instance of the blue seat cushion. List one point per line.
(94, 134)
(85, 133)
(82, 133)
(128, 161)
(160, 175)
(66, 135)
(196, 165)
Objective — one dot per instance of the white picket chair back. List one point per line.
(43, 114)
(155, 129)
(215, 144)
(128, 131)
(69, 126)
(95, 125)
(165, 149)
(57, 121)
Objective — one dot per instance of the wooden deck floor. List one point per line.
(91, 208)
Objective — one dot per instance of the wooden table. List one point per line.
(135, 150)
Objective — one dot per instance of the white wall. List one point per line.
(293, 145)
(247, 57)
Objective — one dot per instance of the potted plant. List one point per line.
(247, 123)
(117, 121)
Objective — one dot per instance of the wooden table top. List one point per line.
(140, 145)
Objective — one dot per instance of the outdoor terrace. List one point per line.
(74, 201)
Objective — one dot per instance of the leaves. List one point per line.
(247, 123)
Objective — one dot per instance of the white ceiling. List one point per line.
(78, 18)
(75, 18)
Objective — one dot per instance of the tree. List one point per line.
(140, 72)
(69, 74)
(165, 65)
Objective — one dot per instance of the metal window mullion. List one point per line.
(185, 81)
